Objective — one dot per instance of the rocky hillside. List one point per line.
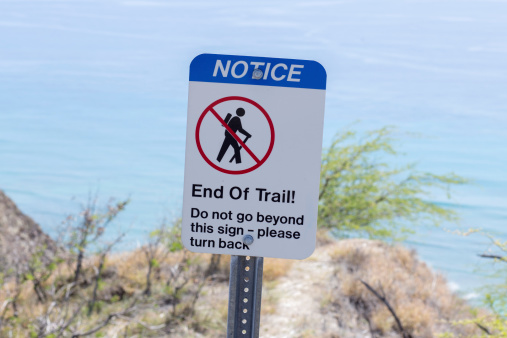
(20, 236)
(342, 290)
(345, 290)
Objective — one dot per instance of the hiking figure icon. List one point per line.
(235, 124)
(212, 146)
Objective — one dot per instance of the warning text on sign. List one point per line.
(238, 193)
(219, 226)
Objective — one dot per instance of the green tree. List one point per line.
(493, 323)
(361, 192)
(495, 296)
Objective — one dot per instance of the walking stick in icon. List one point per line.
(234, 156)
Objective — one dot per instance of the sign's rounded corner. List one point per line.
(197, 58)
(321, 67)
(185, 241)
(308, 253)
(189, 248)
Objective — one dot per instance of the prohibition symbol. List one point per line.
(223, 130)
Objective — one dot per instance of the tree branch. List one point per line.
(64, 327)
(105, 322)
(483, 328)
(97, 328)
(504, 259)
(102, 261)
(386, 303)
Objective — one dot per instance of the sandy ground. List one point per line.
(299, 297)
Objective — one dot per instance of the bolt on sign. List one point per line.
(253, 155)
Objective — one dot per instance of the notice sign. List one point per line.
(253, 155)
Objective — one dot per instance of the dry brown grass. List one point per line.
(421, 298)
(274, 268)
(323, 238)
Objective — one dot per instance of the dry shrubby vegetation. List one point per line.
(116, 304)
(419, 298)
(158, 290)
(186, 300)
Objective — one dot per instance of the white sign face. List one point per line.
(253, 155)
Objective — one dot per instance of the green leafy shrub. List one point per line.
(360, 192)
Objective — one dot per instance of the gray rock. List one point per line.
(20, 237)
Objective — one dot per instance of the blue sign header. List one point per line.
(259, 71)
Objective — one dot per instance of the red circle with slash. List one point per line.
(258, 161)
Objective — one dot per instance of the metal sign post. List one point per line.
(245, 292)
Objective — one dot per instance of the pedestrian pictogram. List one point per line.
(223, 130)
(234, 126)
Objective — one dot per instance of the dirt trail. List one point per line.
(299, 296)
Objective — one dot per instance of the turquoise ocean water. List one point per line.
(93, 97)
